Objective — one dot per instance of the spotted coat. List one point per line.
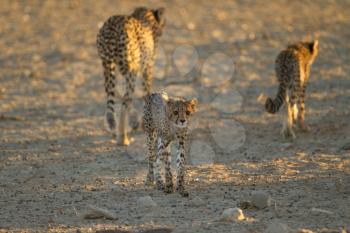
(128, 42)
(166, 120)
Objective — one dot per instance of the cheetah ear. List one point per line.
(170, 102)
(159, 14)
(193, 103)
(169, 107)
(315, 44)
(312, 46)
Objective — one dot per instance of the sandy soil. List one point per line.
(56, 157)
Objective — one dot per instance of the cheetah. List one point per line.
(292, 68)
(128, 42)
(165, 120)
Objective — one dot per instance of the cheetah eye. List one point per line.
(176, 113)
(188, 112)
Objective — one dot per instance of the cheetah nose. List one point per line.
(182, 121)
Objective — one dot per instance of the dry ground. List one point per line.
(56, 158)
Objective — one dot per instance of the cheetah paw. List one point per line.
(160, 185)
(288, 133)
(168, 188)
(149, 180)
(304, 128)
(182, 192)
(124, 141)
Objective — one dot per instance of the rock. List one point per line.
(304, 231)
(260, 199)
(96, 212)
(261, 98)
(317, 210)
(286, 146)
(146, 201)
(277, 227)
(232, 214)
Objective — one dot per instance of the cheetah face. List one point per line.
(179, 111)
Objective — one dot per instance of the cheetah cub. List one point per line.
(165, 120)
(292, 68)
(129, 43)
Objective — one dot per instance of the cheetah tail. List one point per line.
(273, 105)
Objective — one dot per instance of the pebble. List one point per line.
(146, 201)
(260, 199)
(232, 214)
(95, 212)
(286, 146)
(304, 231)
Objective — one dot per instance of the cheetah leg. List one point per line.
(168, 188)
(157, 175)
(122, 137)
(180, 171)
(287, 130)
(295, 113)
(301, 116)
(151, 157)
(109, 75)
(148, 78)
(162, 149)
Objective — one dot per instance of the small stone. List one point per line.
(286, 146)
(260, 199)
(304, 231)
(318, 210)
(95, 212)
(27, 73)
(146, 201)
(232, 214)
(261, 98)
(277, 227)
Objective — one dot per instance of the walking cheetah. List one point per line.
(293, 70)
(165, 120)
(128, 42)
